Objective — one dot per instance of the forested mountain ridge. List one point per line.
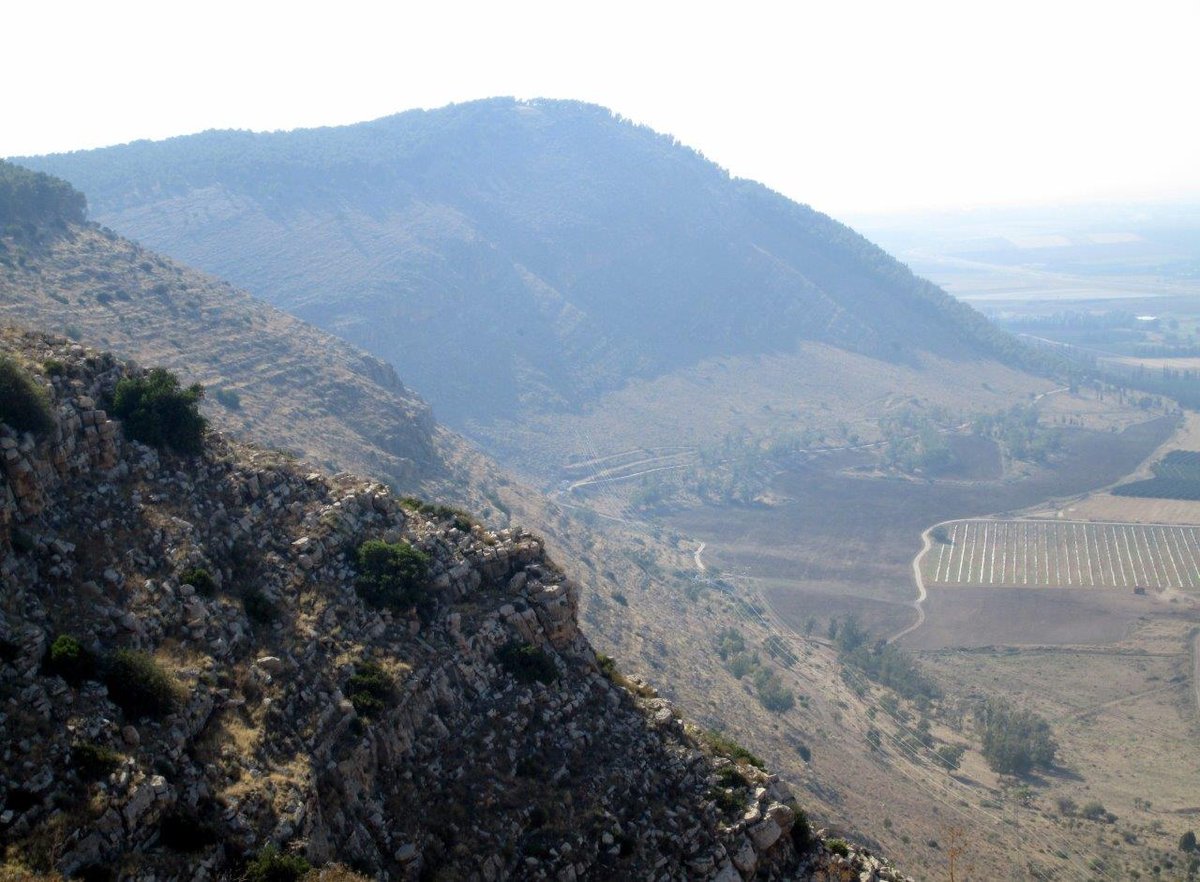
(29, 200)
(510, 256)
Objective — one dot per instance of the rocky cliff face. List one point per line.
(228, 688)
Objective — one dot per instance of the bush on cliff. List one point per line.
(200, 579)
(270, 865)
(139, 685)
(158, 412)
(527, 662)
(23, 405)
(370, 689)
(94, 761)
(391, 575)
(69, 659)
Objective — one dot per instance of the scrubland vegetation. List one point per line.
(156, 410)
(23, 404)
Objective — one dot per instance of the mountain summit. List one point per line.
(515, 257)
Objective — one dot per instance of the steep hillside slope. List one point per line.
(519, 258)
(268, 374)
(192, 676)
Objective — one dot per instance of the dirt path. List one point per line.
(1196, 667)
(918, 604)
(588, 482)
(592, 464)
(1096, 708)
(699, 563)
(1042, 395)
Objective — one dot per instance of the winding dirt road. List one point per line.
(1196, 667)
(918, 604)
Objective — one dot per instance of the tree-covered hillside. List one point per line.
(30, 199)
(511, 256)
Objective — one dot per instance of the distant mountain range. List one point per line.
(514, 258)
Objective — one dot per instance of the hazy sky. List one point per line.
(848, 106)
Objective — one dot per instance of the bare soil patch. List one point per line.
(973, 459)
(796, 607)
(1106, 507)
(984, 616)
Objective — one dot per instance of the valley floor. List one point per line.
(1111, 670)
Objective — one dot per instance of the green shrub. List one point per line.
(69, 659)
(1014, 740)
(1093, 810)
(23, 542)
(883, 662)
(259, 608)
(391, 575)
(1187, 842)
(229, 398)
(538, 817)
(94, 761)
(156, 411)
(727, 747)
(23, 404)
(728, 801)
(139, 685)
(370, 689)
(272, 866)
(950, 755)
(461, 519)
(95, 873)
(526, 662)
(54, 368)
(607, 665)
(779, 650)
(801, 829)
(772, 694)
(838, 846)
(729, 776)
(608, 669)
(200, 579)
(186, 833)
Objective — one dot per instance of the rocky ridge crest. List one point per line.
(464, 767)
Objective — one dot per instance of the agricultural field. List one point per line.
(1063, 554)
(1176, 476)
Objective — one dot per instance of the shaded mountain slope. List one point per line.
(520, 257)
(286, 382)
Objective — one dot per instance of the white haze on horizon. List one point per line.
(849, 107)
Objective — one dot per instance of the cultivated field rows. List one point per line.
(1064, 554)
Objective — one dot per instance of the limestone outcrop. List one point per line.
(229, 688)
